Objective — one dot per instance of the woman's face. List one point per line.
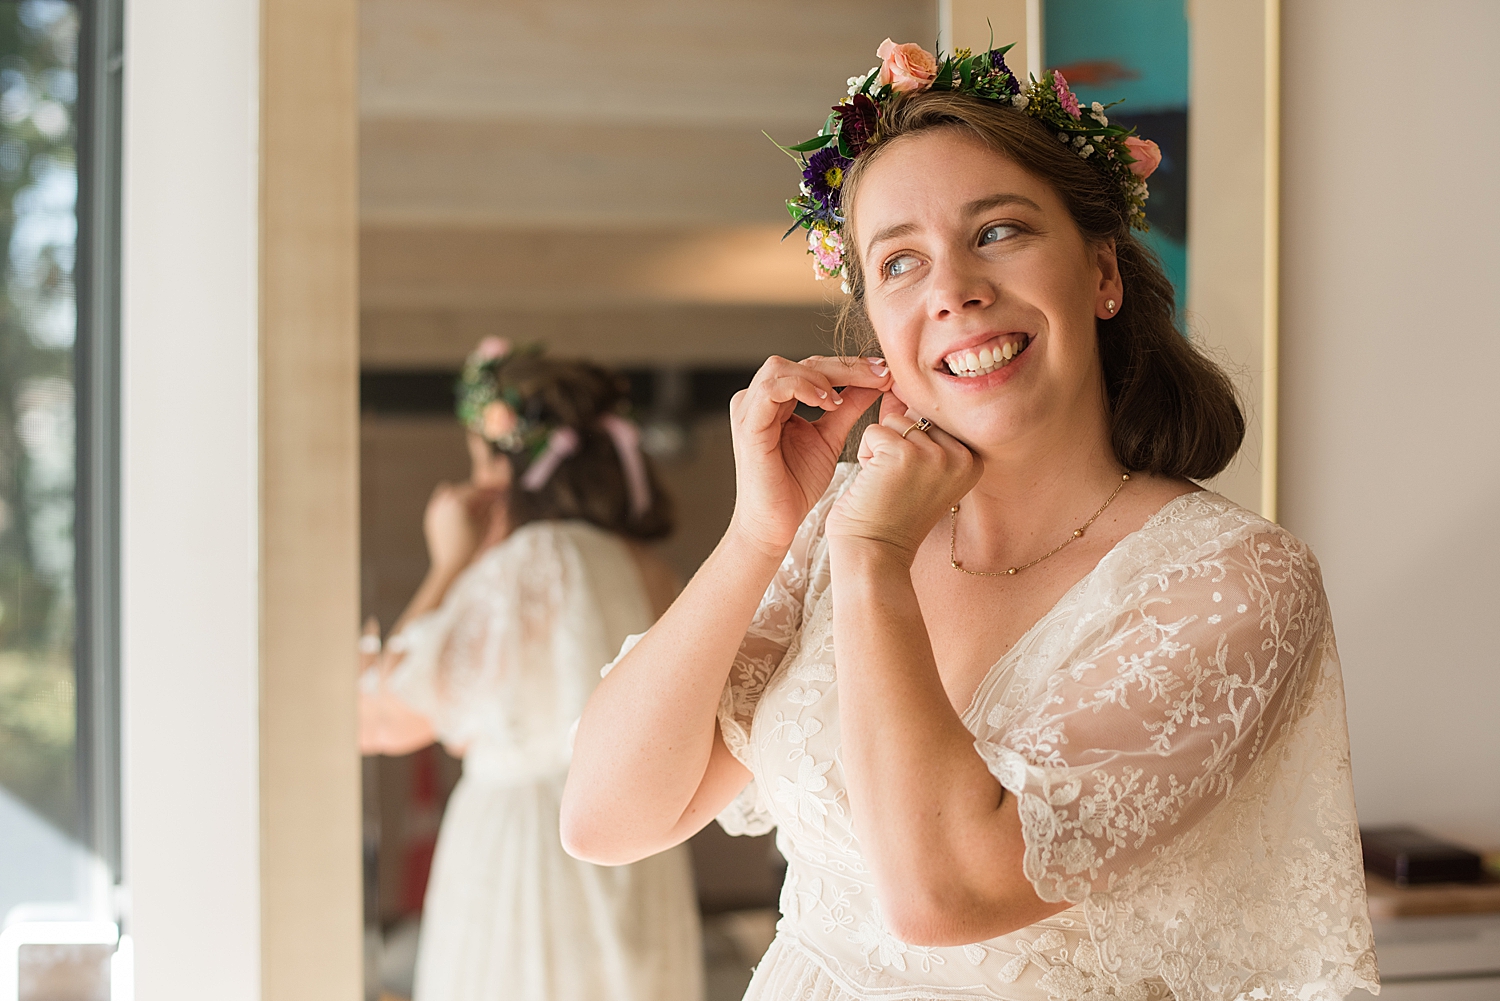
(490, 470)
(983, 292)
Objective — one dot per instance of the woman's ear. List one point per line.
(1110, 295)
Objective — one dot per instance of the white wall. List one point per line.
(190, 497)
(1390, 433)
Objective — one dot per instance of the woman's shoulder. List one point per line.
(548, 541)
(1203, 517)
(572, 531)
(1202, 540)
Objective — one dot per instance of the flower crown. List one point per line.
(855, 123)
(498, 415)
(502, 417)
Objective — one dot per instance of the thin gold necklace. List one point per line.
(1077, 534)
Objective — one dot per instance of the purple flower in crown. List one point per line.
(1065, 95)
(825, 176)
(858, 120)
(1007, 79)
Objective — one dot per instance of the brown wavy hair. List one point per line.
(1172, 410)
(590, 484)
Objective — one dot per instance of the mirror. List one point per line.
(593, 177)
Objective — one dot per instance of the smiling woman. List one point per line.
(1037, 717)
(1172, 410)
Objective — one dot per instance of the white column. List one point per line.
(973, 23)
(190, 497)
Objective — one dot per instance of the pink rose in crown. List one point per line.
(1147, 156)
(906, 67)
(492, 348)
(497, 420)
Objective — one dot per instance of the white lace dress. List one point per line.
(1174, 728)
(503, 668)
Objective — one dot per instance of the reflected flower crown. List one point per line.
(513, 423)
(498, 415)
(854, 126)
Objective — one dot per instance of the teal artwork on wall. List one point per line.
(1136, 51)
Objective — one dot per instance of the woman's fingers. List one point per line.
(894, 429)
(891, 403)
(908, 427)
(834, 426)
(867, 373)
(809, 388)
(812, 382)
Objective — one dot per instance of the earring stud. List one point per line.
(1109, 305)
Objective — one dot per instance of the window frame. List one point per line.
(101, 62)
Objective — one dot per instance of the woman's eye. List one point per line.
(898, 266)
(994, 234)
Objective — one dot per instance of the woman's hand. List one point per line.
(783, 463)
(906, 484)
(457, 519)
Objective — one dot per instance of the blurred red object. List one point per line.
(424, 813)
(1097, 72)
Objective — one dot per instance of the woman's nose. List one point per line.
(958, 288)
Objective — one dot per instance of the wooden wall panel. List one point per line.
(310, 785)
(675, 335)
(597, 172)
(596, 61)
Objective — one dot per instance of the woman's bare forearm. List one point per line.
(648, 764)
(943, 840)
(388, 725)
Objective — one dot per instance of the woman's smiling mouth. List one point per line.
(997, 353)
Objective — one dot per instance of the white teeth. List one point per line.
(969, 364)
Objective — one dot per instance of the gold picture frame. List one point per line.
(1233, 197)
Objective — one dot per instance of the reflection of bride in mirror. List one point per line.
(1036, 717)
(536, 577)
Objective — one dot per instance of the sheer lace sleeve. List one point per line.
(773, 632)
(510, 657)
(1183, 768)
(777, 622)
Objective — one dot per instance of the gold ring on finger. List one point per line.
(921, 425)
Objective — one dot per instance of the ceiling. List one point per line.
(593, 175)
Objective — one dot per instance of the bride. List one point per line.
(1036, 716)
(537, 575)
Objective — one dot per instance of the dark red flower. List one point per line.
(858, 121)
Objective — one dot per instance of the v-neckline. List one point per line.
(967, 716)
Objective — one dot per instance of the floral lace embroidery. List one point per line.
(1174, 732)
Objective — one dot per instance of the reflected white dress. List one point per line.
(1174, 728)
(503, 668)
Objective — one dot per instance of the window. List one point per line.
(60, 67)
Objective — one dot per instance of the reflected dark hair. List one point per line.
(1172, 409)
(590, 484)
